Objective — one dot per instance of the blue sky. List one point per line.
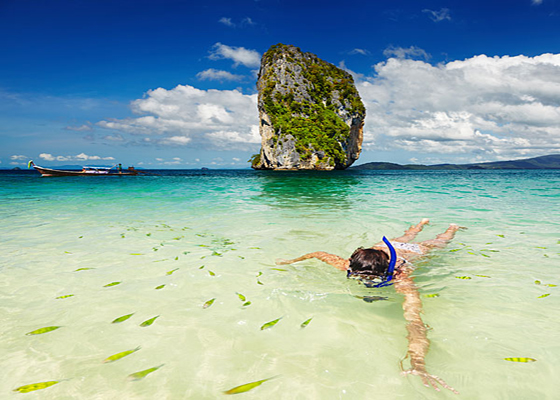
(171, 83)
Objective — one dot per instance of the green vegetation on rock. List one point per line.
(308, 101)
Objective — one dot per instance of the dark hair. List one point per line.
(369, 263)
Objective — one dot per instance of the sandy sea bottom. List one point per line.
(197, 249)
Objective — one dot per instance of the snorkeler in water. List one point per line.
(388, 263)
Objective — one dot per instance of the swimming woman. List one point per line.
(387, 263)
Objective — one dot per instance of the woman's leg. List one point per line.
(442, 239)
(411, 232)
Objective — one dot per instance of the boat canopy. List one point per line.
(96, 170)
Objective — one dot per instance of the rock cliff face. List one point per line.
(311, 115)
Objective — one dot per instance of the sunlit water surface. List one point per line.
(215, 235)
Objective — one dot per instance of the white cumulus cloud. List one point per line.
(78, 157)
(494, 107)
(438, 16)
(212, 74)
(226, 22)
(244, 22)
(239, 55)
(410, 52)
(186, 115)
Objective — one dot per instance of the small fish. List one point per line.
(177, 258)
(502, 236)
(67, 252)
(211, 273)
(279, 269)
(550, 285)
(83, 269)
(270, 324)
(142, 374)
(35, 386)
(241, 297)
(432, 295)
(112, 284)
(122, 236)
(540, 247)
(201, 267)
(520, 359)
(246, 387)
(136, 254)
(170, 272)
(165, 259)
(471, 253)
(215, 253)
(155, 249)
(544, 295)
(208, 303)
(463, 277)
(484, 255)
(454, 250)
(247, 304)
(537, 282)
(79, 237)
(305, 323)
(483, 276)
(259, 274)
(186, 252)
(241, 257)
(43, 330)
(255, 248)
(120, 355)
(149, 322)
(160, 287)
(122, 319)
(64, 297)
(259, 282)
(148, 234)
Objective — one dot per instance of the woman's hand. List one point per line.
(428, 379)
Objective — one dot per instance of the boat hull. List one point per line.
(58, 172)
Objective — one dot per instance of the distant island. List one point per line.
(544, 162)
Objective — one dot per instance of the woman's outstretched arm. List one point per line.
(332, 259)
(418, 343)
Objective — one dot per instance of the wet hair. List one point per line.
(369, 263)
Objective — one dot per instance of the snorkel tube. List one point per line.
(392, 263)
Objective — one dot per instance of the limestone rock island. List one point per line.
(311, 115)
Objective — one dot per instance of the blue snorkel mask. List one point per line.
(390, 271)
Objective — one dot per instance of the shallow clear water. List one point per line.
(220, 232)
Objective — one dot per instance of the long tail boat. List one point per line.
(86, 171)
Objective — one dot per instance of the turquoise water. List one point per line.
(215, 235)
